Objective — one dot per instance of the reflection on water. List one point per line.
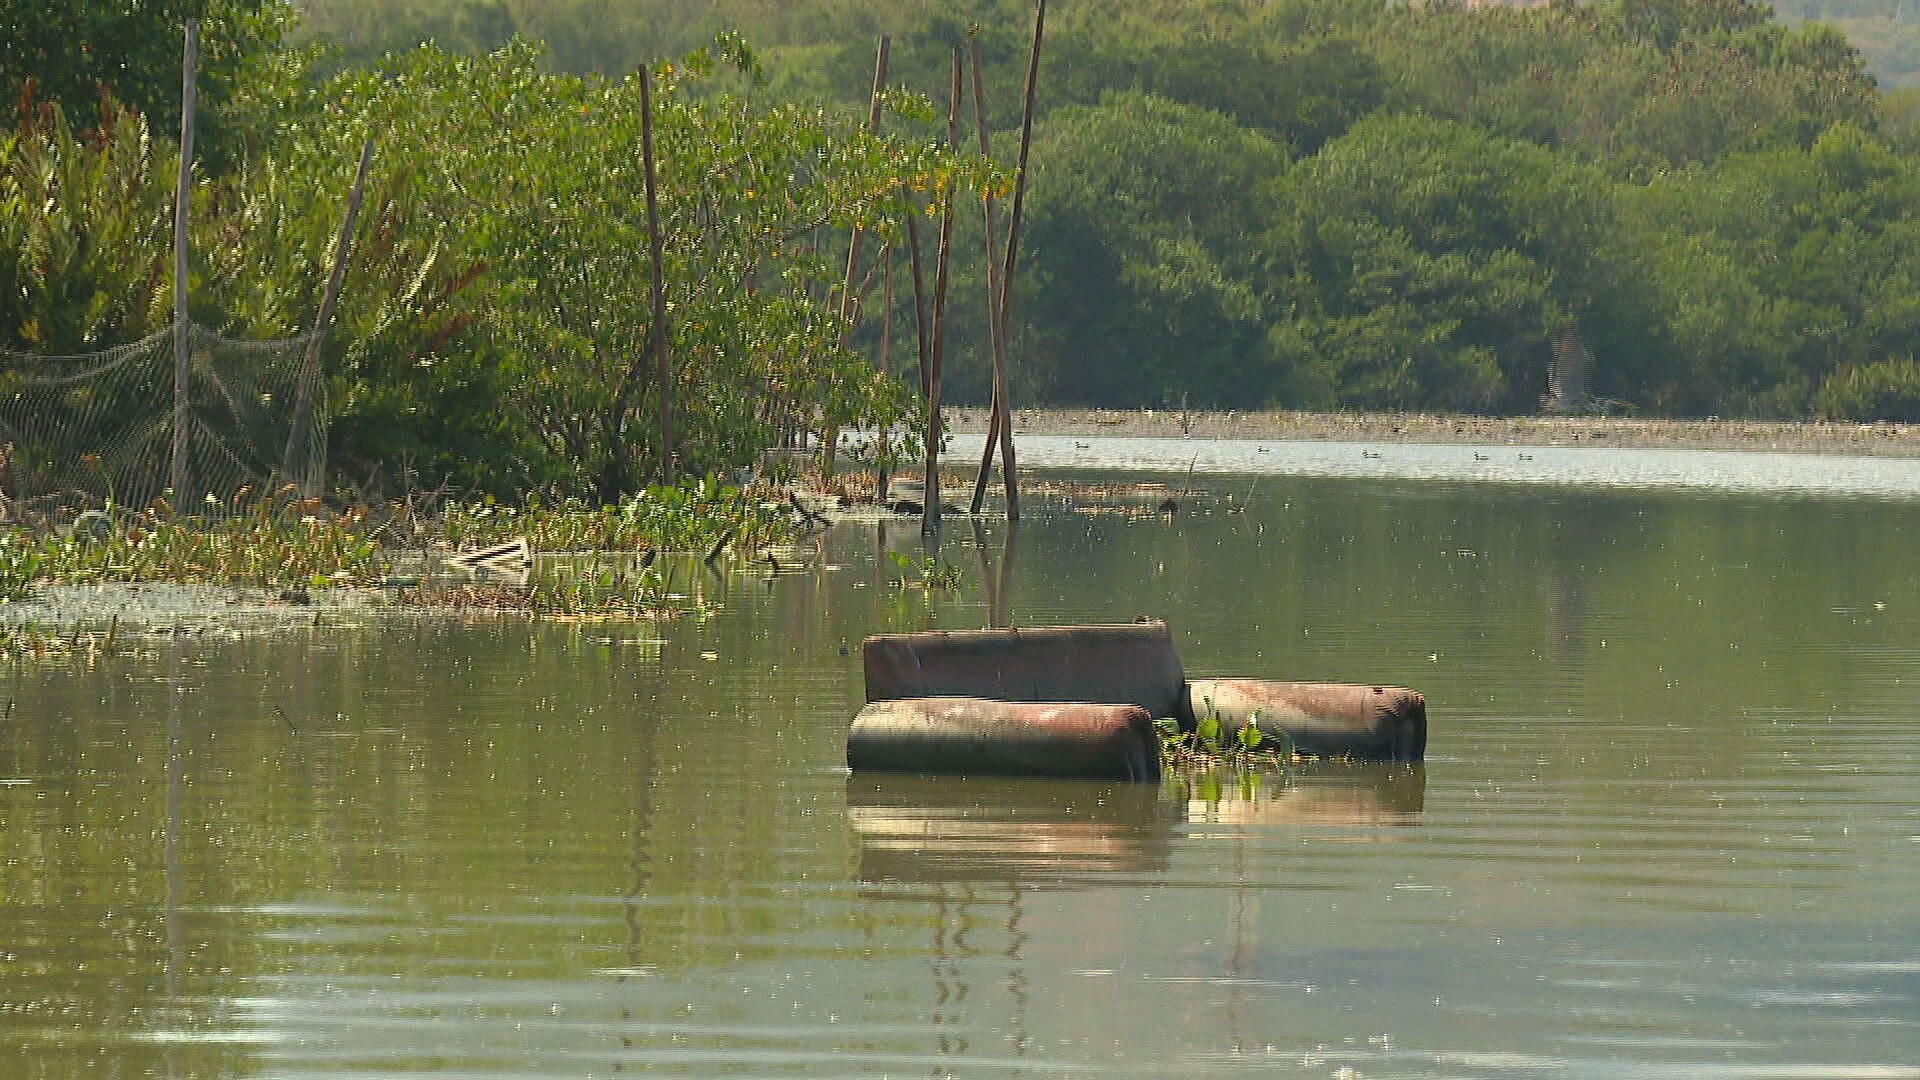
(1668, 825)
(933, 829)
(955, 829)
(1358, 794)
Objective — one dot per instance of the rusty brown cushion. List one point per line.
(958, 736)
(1123, 664)
(1377, 723)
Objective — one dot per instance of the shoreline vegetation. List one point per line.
(75, 589)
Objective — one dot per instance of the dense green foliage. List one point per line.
(79, 53)
(495, 333)
(1334, 205)
(1298, 203)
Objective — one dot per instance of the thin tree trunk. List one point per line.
(849, 302)
(881, 479)
(920, 317)
(995, 329)
(663, 364)
(930, 509)
(1008, 473)
(615, 477)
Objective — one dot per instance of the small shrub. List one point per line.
(1888, 390)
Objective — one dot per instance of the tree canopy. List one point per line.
(1295, 203)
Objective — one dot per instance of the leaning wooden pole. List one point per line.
(930, 507)
(182, 328)
(1008, 474)
(995, 327)
(657, 336)
(302, 428)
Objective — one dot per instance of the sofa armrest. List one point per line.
(980, 737)
(1373, 723)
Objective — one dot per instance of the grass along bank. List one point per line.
(301, 552)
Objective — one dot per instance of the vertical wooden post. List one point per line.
(663, 366)
(298, 434)
(182, 328)
(995, 328)
(930, 509)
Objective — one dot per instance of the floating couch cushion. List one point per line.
(1377, 723)
(976, 737)
(1124, 664)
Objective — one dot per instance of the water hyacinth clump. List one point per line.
(684, 519)
(273, 540)
(20, 561)
(1209, 745)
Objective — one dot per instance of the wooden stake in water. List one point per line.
(182, 328)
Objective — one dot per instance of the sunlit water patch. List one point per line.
(1750, 472)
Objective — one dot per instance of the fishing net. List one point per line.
(81, 432)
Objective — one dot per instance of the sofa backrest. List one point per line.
(1123, 664)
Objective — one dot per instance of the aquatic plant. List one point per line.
(270, 540)
(601, 589)
(926, 573)
(20, 563)
(35, 642)
(1208, 745)
(690, 518)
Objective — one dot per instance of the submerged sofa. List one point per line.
(1080, 701)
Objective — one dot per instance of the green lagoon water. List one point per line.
(1669, 825)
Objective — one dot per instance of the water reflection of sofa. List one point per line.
(1079, 701)
(935, 829)
(1358, 794)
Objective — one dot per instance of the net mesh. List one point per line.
(83, 431)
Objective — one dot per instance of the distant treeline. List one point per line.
(1340, 203)
(1292, 203)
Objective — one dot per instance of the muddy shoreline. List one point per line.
(148, 608)
(1875, 440)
